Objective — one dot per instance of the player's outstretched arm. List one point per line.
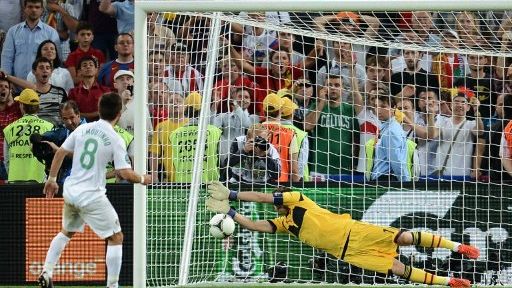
(51, 187)
(133, 177)
(222, 206)
(220, 192)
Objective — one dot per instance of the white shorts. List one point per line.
(100, 215)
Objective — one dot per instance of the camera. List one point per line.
(130, 88)
(261, 143)
(41, 150)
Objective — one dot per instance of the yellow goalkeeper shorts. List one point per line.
(371, 247)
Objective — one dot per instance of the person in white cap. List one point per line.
(123, 82)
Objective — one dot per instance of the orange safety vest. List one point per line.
(281, 137)
(508, 135)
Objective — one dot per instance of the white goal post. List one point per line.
(143, 7)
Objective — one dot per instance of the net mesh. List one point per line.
(347, 76)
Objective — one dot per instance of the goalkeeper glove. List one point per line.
(221, 192)
(220, 206)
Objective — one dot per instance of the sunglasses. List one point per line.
(306, 84)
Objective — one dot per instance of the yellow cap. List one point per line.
(194, 100)
(28, 97)
(272, 103)
(288, 107)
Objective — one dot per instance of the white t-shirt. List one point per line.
(60, 78)
(94, 145)
(459, 159)
(427, 149)
(127, 119)
(504, 150)
(369, 124)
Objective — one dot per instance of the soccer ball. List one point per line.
(221, 226)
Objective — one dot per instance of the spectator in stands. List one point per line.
(397, 56)
(70, 116)
(61, 16)
(88, 92)
(253, 159)
(279, 75)
(342, 64)
(364, 108)
(60, 76)
(84, 37)
(492, 164)
(160, 97)
(413, 79)
(183, 144)
(232, 77)
(18, 158)
(124, 61)
(257, 42)
(9, 112)
(423, 26)
(104, 28)
(180, 69)
(191, 33)
(302, 93)
(123, 83)
(334, 130)
(156, 66)
(284, 139)
(160, 38)
(22, 40)
(10, 14)
(350, 24)
(123, 11)
(390, 155)
(235, 122)
(376, 69)
(467, 28)
(481, 82)
(428, 103)
(449, 67)
(505, 147)
(50, 96)
(455, 150)
(160, 148)
(285, 43)
(287, 112)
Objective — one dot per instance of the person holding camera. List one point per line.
(123, 83)
(18, 157)
(45, 145)
(254, 159)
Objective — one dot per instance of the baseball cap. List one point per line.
(28, 97)
(288, 107)
(179, 47)
(194, 100)
(272, 103)
(123, 72)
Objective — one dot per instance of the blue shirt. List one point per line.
(124, 13)
(20, 47)
(391, 152)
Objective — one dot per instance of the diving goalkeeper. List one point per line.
(361, 244)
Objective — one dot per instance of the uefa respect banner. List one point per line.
(84, 256)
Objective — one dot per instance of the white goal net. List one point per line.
(396, 118)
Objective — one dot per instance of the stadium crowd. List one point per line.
(285, 107)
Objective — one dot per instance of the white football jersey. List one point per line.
(94, 145)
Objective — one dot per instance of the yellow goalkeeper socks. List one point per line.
(425, 239)
(419, 276)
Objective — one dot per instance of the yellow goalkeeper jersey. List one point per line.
(312, 224)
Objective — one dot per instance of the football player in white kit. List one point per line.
(92, 145)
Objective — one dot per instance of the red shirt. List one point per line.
(9, 115)
(87, 99)
(75, 56)
(270, 83)
(256, 92)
